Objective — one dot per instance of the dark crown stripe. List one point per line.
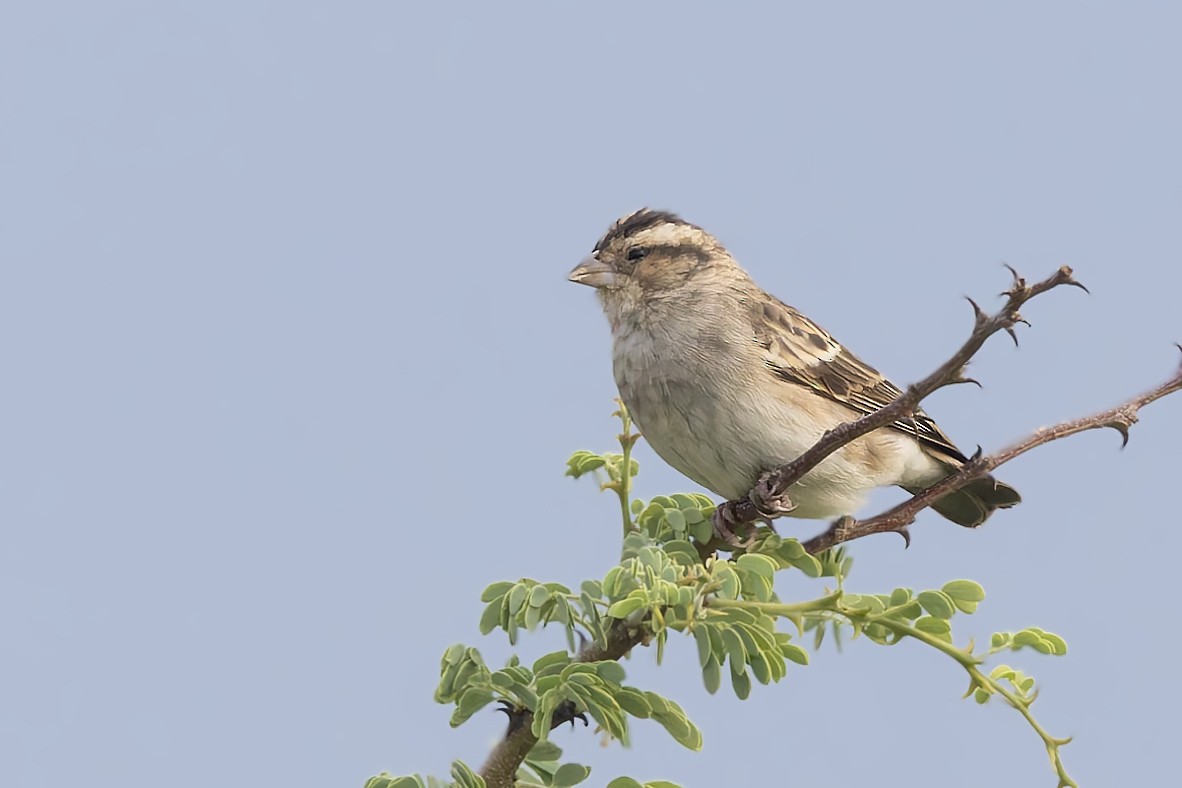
(641, 220)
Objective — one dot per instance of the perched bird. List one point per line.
(726, 382)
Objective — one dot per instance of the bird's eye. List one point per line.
(637, 253)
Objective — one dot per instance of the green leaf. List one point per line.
(675, 519)
(1003, 672)
(790, 549)
(627, 606)
(900, 596)
(495, 591)
(610, 671)
(757, 564)
(675, 722)
(1034, 639)
(807, 564)
(740, 682)
(612, 582)
(545, 751)
(470, 701)
(570, 774)
(937, 603)
(634, 702)
(599, 703)
(465, 777)
(491, 618)
(702, 531)
(702, 638)
(936, 627)
(965, 594)
(735, 650)
(712, 675)
(386, 781)
(582, 462)
(760, 667)
(1043, 642)
(795, 653)
(683, 552)
(517, 598)
(967, 590)
(1058, 644)
(454, 654)
(728, 581)
(553, 659)
(624, 782)
(538, 596)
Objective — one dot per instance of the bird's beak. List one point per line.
(594, 273)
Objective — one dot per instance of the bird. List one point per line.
(726, 382)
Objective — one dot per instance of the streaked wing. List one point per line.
(801, 352)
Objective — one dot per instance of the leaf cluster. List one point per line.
(669, 581)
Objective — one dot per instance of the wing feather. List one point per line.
(799, 351)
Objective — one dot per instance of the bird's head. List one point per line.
(651, 256)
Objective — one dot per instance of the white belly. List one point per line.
(723, 431)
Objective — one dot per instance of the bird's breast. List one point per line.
(680, 392)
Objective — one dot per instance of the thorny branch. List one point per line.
(500, 770)
(770, 498)
(1120, 418)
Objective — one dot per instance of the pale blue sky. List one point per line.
(292, 367)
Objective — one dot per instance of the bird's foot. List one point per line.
(840, 526)
(768, 502)
(727, 523)
(566, 713)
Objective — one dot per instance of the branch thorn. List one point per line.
(906, 534)
(979, 316)
(960, 377)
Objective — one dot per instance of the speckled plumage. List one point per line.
(726, 382)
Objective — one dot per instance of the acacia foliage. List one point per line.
(668, 583)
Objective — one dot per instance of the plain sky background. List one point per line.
(291, 367)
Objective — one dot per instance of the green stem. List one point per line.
(969, 663)
(828, 602)
(624, 488)
(831, 603)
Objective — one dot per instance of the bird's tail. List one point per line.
(972, 504)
